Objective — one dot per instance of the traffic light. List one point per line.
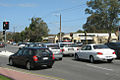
(5, 25)
(71, 34)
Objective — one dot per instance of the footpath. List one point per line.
(18, 75)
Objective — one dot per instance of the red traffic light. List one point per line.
(6, 23)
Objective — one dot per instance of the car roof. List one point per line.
(65, 43)
(36, 47)
(50, 44)
(95, 44)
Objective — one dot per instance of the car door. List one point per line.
(25, 56)
(17, 57)
(87, 52)
(82, 52)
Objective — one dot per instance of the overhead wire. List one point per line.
(63, 10)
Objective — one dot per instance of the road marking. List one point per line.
(99, 67)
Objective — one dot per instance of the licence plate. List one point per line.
(70, 49)
(45, 58)
(108, 57)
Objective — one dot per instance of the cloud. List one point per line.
(5, 5)
(27, 5)
(18, 5)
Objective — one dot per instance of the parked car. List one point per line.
(115, 46)
(34, 45)
(68, 48)
(55, 49)
(2, 44)
(94, 52)
(22, 44)
(32, 57)
(13, 43)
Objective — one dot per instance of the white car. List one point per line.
(68, 48)
(94, 52)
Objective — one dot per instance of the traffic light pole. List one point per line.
(5, 40)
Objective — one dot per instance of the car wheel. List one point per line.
(49, 65)
(109, 60)
(60, 58)
(29, 66)
(11, 62)
(76, 57)
(92, 59)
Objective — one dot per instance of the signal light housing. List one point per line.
(5, 25)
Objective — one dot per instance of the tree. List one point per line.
(36, 30)
(104, 16)
(80, 31)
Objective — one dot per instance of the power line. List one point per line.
(62, 10)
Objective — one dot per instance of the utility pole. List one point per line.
(60, 29)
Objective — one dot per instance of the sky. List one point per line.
(19, 13)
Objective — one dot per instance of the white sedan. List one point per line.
(95, 52)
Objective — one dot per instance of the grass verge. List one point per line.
(4, 77)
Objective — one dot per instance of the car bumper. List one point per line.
(69, 52)
(36, 64)
(100, 57)
(58, 56)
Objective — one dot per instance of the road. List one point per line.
(70, 69)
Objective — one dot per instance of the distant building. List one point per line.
(91, 37)
(81, 37)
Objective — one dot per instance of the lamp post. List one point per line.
(60, 38)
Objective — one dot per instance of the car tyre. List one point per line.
(60, 58)
(92, 59)
(11, 62)
(29, 66)
(109, 60)
(49, 65)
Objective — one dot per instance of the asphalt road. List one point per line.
(70, 69)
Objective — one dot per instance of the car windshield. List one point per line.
(100, 46)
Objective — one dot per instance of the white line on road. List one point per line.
(99, 67)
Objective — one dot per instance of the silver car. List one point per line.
(68, 48)
(55, 49)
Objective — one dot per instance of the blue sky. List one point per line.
(19, 13)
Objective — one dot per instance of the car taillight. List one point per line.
(113, 52)
(63, 50)
(35, 58)
(53, 57)
(77, 48)
(99, 53)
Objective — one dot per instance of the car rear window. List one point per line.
(40, 52)
(53, 46)
(100, 46)
(74, 45)
(66, 45)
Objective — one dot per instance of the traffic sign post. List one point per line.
(119, 34)
(5, 27)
